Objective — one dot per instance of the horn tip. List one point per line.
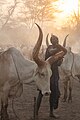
(36, 24)
(67, 34)
(48, 34)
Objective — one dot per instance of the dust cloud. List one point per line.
(22, 36)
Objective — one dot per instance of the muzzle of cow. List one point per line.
(47, 93)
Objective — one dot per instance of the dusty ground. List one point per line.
(24, 105)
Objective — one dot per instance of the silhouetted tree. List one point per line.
(41, 10)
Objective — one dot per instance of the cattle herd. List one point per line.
(17, 69)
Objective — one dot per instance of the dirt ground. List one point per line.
(23, 107)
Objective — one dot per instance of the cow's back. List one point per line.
(13, 65)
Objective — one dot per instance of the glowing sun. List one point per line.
(68, 7)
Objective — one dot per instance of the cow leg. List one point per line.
(70, 91)
(4, 115)
(38, 103)
(4, 105)
(65, 90)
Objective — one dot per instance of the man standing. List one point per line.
(54, 80)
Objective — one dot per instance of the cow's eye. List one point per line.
(41, 74)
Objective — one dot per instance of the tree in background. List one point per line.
(73, 21)
(7, 18)
(38, 10)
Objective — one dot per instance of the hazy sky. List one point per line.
(66, 6)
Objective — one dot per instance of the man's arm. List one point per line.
(61, 48)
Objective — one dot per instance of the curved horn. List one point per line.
(64, 43)
(47, 42)
(37, 48)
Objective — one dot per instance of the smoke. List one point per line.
(22, 35)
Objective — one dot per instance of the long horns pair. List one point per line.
(36, 49)
(64, 42)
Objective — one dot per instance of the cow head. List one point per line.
(43, 72)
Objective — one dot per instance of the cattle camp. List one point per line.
(39, 59)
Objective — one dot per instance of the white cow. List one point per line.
(16, 70)
(69, 70)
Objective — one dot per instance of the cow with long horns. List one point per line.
(15, 70)
(69, 70)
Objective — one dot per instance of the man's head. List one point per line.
(54, 39)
